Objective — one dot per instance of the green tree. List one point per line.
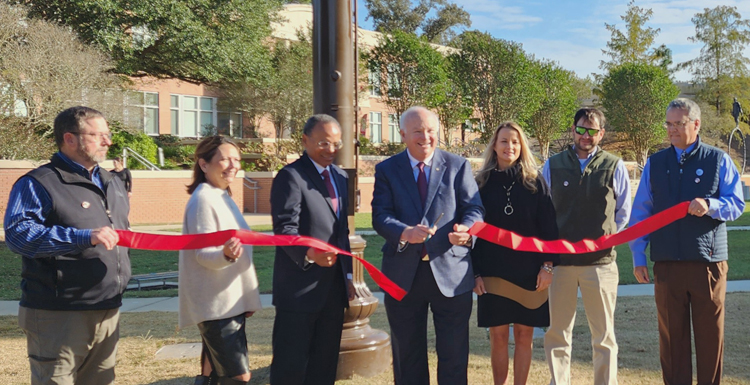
(399, 15)
(44, 69)
(557, 105)
(197, 40)
(635, 96)
(291, 102)
(634, 44)
(724, 34)
(411, 71)
(451, 106)
(498, 78)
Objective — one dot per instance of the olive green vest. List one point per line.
(584, 202)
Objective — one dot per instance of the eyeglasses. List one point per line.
(327, 144)
(97, 135)
(582, 130)
(678, 125)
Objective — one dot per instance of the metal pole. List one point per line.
(364, 351)
(333, 63)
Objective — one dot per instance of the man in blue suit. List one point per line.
(424, 202)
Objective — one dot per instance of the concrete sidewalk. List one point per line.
(135, 305)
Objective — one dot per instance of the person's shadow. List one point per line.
(261, 376)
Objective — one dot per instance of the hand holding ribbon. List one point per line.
(146, 241)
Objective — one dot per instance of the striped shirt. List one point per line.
(29, 205)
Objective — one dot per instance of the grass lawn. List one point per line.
(142, 334)
(144, 261)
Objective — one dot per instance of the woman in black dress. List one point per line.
(515, 198)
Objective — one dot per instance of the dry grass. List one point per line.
(144, 333)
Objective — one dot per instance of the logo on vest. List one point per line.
(85, 204)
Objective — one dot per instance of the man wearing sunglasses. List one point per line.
(591, 193)
(689, 255)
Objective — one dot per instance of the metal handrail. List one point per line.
(252, 184)
(140, 158)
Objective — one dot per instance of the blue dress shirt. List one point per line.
(29, 205)
(620, 185)
(728, 207)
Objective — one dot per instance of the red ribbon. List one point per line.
(514, 241)
(146, 241)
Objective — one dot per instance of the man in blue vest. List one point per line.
(690, 255)
(61, 218)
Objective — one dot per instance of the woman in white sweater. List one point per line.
(218, 286)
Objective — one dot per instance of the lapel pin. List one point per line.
(699, 172)
(565, 183)
(697, 180)
(85, 204)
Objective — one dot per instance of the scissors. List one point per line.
(433, 225)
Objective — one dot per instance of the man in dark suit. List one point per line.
(424, 202)
(309, 197)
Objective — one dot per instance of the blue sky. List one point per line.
(573, 34)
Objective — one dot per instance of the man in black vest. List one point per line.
(690, 255)
(61, 217)
(590, 189)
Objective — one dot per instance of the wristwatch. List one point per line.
(401, 245)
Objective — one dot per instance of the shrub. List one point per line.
(138, 142)
(20, 141)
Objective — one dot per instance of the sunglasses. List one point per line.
(582, 130)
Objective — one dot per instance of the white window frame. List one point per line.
(374, 82)
(393, 129)
(143, 108)
(199, 129)
(376, 127)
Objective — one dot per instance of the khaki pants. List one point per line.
(598, 286)
(686, 291)
(71, 347)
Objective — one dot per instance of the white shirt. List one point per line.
(427, 165)
(330, 174)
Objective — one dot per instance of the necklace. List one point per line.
(508, 210)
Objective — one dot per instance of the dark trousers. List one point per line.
(685, 291)
(408, 321)
(306, 345)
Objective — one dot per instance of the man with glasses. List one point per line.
(689, 255)
(591, 193)
(311, 287)
(61, 218)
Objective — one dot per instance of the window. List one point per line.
(142, 111)
(393, 129)
(393, 81)
(374, 79)
(375, 124)
(174, 114)
(196, 116)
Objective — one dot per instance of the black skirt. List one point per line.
(494, 310)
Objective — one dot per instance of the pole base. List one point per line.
(364, 351)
